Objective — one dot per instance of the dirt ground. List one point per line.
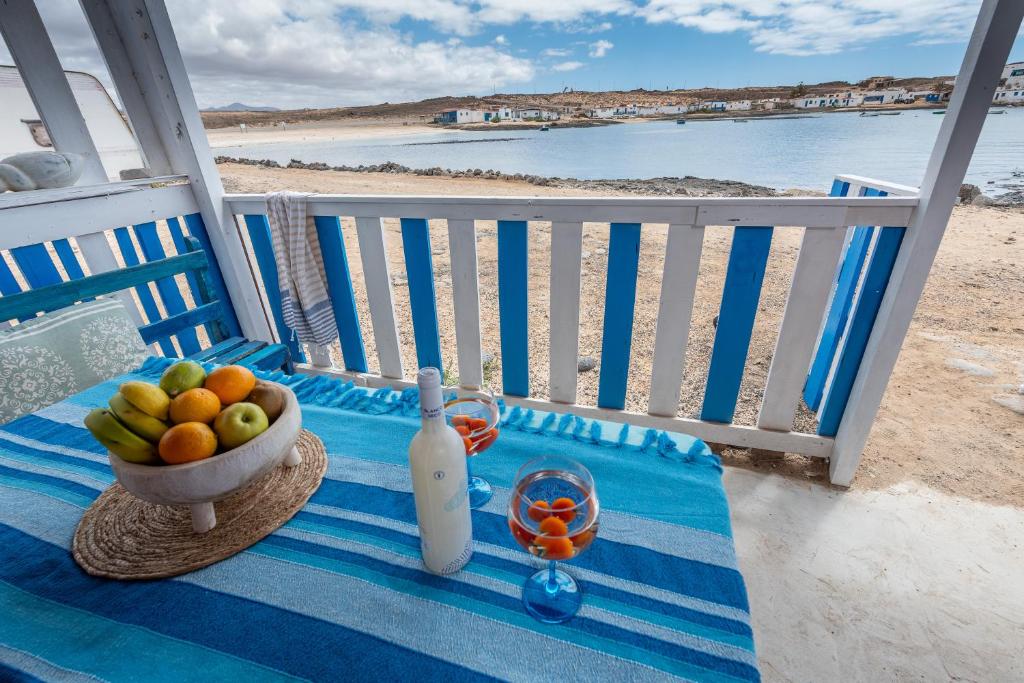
(948, 417)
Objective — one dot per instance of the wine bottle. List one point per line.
(437, 461)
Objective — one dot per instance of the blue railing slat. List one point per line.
(8, 285)
(197, 229)
(876, 279)
(67, 257)
(839, 308)
(741, 293)
(186, 320)
(36, 265)
(419, 270)
(131, 258)
(512, 307)
(259, 236)
(619, 304)
(339, 285)
(174, 302)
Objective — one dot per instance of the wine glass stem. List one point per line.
(552, 586)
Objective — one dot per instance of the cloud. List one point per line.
(557, 52)
(567, 66)
(501, 40)
(600, 48)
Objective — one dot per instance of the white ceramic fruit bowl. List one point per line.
(201, 483)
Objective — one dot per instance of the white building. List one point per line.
(1013, 95)
(1013, 76)
(462, 116)
(530, 114)
(738, 105)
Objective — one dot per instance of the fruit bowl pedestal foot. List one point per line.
(203, 517)
(293, 458)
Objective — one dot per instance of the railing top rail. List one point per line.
(799, 211)
(14, 200)
(894, 189)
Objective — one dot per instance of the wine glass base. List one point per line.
(552, 602)
(479, 492)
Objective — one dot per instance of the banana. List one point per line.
(118, 439)
(146, 426)
(149, 398)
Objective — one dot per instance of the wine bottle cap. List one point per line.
(428, 378)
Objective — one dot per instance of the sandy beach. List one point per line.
(945, 420)
(315, 131)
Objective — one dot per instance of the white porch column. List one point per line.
(142, 55)
(987, 52)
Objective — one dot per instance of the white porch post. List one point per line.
(987, 52)
(142, 55)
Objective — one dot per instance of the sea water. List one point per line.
(778, 152)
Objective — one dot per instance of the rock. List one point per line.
(585, 254)
(586, 363)
(714, 322)
(969, 367)
(600, 250)
(399, 281)
(1011, 401)
(968, 193)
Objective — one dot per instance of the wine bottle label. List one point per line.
(431, 412)
(457, 498)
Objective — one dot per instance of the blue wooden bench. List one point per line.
(209, 310)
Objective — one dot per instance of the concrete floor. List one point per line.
(905, 584)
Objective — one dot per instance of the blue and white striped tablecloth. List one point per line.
(339, 593)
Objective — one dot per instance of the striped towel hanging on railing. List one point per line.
(305, 304)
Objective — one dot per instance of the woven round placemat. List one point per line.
(123, 537)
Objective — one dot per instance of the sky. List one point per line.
(323, 53)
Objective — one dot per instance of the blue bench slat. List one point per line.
(839, 308)
(512, 307)
(8, 285)
(619, 304)
(748, 258)
(196, 228)
(270, 357)
(174, 302)
(419, 270)
(339, 285)
(181, 321)
(36, 265)
(236, 355)
(876, 279)
(68, 259)
(178, 238)
(218, 349)
(259, 236)
(149, 307)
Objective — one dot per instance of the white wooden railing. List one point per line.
(828, 220)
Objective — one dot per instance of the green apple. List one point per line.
(181, 377)
(238, 423)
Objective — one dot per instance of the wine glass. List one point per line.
(552, 514)
(474, 415)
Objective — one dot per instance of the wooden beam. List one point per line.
(987, 52)
(139, 33)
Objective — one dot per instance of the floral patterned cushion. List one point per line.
(48, 358)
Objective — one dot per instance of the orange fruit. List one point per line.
(558, 548)
(187, 442)
(231, 383)
(553, 526)
(563, 509)
(538, 511)
(195, 405)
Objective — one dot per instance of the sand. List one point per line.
(315, 131)
(947, 419)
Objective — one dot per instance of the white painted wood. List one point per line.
(566, 264)
(75, 217)
(377, 274)
(12, 200)
(894, 189)
(129, 90)
(147, 42)
(320, 355)
(678, 285)
(44, 78)
(987, 52)
(713, 432)
(206, 481)
(805, 307)
(466, 300)
(798, 211)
